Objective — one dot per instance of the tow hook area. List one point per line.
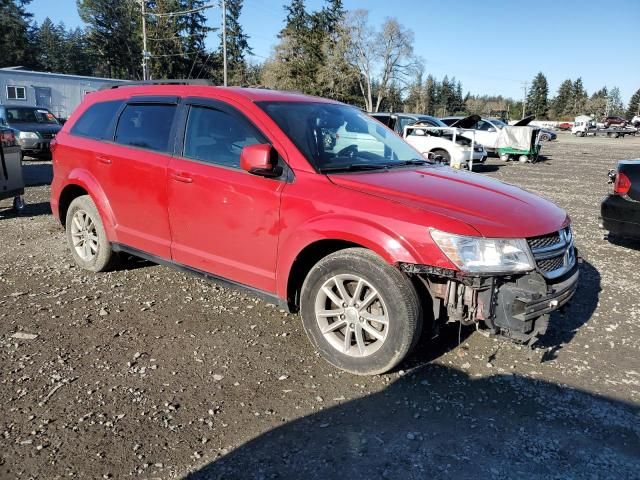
(517, 307)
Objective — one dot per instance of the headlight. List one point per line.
(485, 255)
(28, 135)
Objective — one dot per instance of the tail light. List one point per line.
(622, 185)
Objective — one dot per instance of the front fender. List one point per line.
(377, 238)
(88, 182)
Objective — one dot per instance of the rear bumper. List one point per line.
(620, 216)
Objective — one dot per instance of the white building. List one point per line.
(58, 92)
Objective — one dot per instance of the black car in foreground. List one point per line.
(620, 210)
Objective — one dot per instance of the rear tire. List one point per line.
(86, 237)
(523, 159)
(444, 154)
(360, 313)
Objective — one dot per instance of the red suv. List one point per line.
(614, 120)
(312, 204)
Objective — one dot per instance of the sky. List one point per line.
(491, 46)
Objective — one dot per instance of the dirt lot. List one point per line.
(148, 373)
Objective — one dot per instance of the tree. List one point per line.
(15, 34)
(579, 97)
(562, 102)
(291, 66)
(597, 104)
(193, 30)
(362, 53)
(634, 105)
(237, 43)
(537, 99)
(52, 49)
(113, 34)
(614, 102)
(395, 50)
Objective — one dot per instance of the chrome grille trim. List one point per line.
(554, 253)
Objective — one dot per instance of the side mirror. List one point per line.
(419, 132)
(260, 159)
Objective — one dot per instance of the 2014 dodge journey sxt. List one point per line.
(314, 204)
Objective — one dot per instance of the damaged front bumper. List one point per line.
(515, 306)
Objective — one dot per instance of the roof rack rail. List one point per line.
(166, 81)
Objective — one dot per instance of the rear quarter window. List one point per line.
(96, 120)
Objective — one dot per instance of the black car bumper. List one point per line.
(522, 307)
(620, 216)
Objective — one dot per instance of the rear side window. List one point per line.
(95, 121)
(146, 126)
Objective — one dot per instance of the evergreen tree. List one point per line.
(579, 98)
(563, 100)
(634, 105)
(15, 34)
(237, 43)
(52, 49)
(193, 31)
(113, 34)
(597, 104)
(430, 95)
(537, 99)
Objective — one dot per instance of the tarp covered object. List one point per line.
(515, 137)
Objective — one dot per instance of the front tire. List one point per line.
(360, 313)
(86, 237)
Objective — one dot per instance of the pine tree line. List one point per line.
(330, 52)
(110, 45)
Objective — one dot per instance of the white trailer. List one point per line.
(57, 92)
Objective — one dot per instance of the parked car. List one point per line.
(620, 210)
(441, 140)
(614, 121)
(486, 130)
(635, 121)
(11, 179)
(247, 186)
(34, 128)
(564, 126)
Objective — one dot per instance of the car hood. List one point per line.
(36, 127)
(525, 121)
(466, 122)
(493, 208)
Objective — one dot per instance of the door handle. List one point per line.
(181, 177)
(103, 159)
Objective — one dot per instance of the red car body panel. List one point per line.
(251, 229)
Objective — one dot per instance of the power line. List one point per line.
(184, 12)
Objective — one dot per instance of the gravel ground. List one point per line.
(149, 373)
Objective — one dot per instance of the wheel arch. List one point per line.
(302, 255)
(83, 183)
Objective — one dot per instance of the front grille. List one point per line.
(544, 241)
(554, 253)
(551, 264)
(48, 135)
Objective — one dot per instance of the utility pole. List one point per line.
(145, 54)
(524, 99)
(224, 40)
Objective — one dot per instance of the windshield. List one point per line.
(498, 123)
(338, 137)
(436, 122)
(30, 115)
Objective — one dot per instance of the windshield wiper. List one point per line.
(354, 167)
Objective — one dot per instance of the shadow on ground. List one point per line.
(438, 423)
(29, 210)
(564, 324)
